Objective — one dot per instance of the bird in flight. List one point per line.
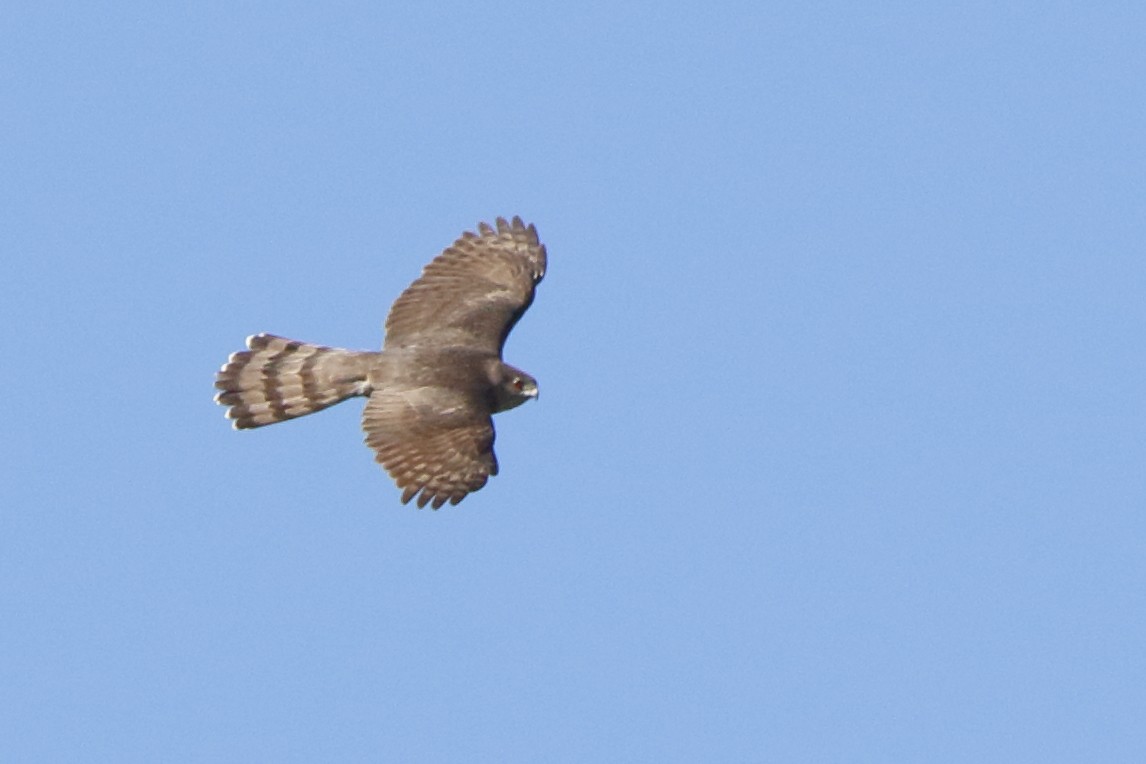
(432, 390)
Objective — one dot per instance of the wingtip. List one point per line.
(508, 225)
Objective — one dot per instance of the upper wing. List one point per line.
(436, 442)
(473, 293)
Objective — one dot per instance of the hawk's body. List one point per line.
(438, 379)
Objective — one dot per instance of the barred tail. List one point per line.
(281, 379)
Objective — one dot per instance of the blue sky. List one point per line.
(839, 453)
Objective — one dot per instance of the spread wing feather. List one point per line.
(473, 293)
(436, 444)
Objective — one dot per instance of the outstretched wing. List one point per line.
(436, 442)
(473, 293)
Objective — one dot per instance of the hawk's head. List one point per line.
(512, 387)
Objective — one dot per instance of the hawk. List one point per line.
(432, 390)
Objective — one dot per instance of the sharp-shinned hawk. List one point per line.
(432, 390)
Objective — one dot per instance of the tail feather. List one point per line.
(278, 379)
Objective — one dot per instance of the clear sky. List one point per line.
(840, 453)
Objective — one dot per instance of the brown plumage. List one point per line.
(438, 380)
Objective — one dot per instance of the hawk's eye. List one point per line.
(518, 384)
